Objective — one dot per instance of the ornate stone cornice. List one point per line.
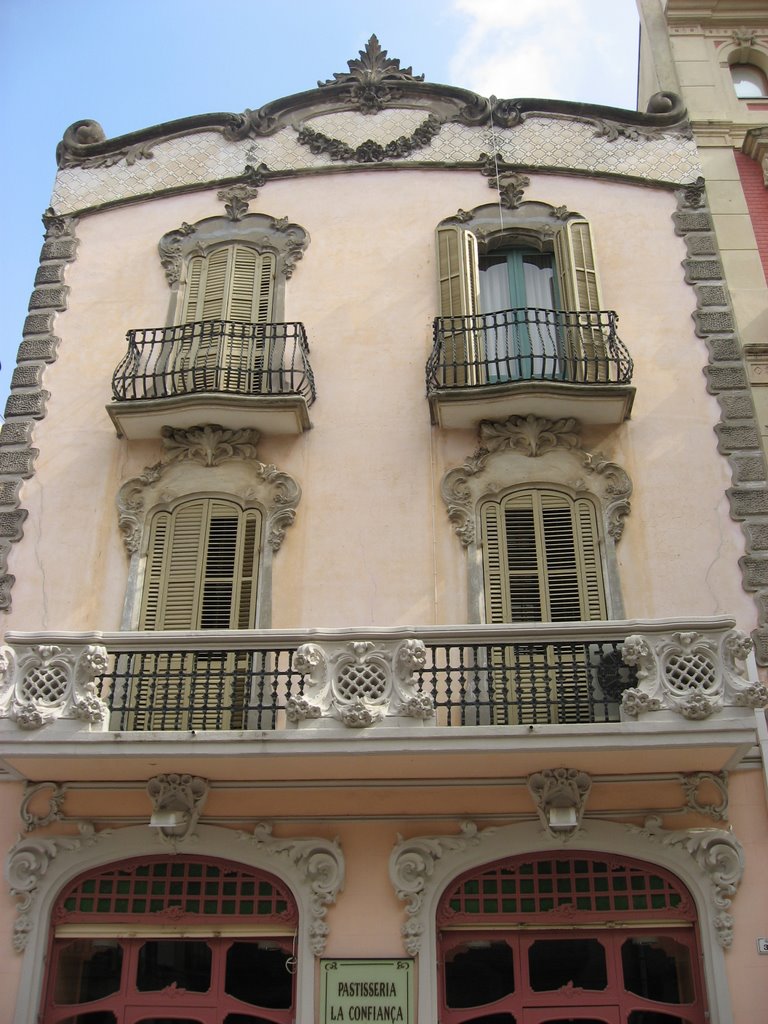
(320, 863)
(373, 82)
(533, 437)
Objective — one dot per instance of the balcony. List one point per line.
(517, 362)
(672, 690)
(217, 371)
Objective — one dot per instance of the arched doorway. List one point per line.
(568, 936)
(172, 940)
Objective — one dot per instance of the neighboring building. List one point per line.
(409, 715)
(714, 53)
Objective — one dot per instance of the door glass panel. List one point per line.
(245, 1018)
(494, 1018)
(554, 963)
(479, 973)
(186, 965)
(97, 1017)
(658, 968)
(88, 969)
(259, 974)
(654, 1017)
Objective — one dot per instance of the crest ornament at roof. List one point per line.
(367, 76)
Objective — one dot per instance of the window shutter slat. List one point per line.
(215, 284)
(541, 559)
(457, 271)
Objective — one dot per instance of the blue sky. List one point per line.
(132, 65)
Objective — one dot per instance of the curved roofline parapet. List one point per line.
(374, 82)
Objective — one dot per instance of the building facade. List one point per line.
(378, 628)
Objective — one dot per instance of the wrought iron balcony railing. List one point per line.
(522, 345)
(215, 356)
(544, 674)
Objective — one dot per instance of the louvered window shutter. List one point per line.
(580, 291)
(234, 282)
(457, 269)
(540, 559)
(202, 567)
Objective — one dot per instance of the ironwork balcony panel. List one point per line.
(235, 374)
(618, 693)
(518, 361)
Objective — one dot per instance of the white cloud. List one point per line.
(564, 49)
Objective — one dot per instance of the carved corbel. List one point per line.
(560, 796)
(717, 853)
(177, 802)
(27, 864)
(411, 864)
(320, 866)
(29, 819)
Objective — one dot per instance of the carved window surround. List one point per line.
(709, 861)
(38, 868)
(286, 240)
(532, 450)
(206, 461)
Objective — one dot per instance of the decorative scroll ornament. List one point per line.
(370, 152)
(28, 861)
(171, 248)
(691, 785)
(360, 683)
(692, 674)
(411, 864)
(286, 239)
(29, 819)
(372, 78)
(717, 853)
(508, 183)
(44, 683)
(560, 796)
(236, 199)
(210, 446)
(177, 802)
(693, 194)
(319, 862)
(532, 437)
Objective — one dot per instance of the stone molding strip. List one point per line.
(738, 431)
(27, 400)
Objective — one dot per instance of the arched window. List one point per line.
(184, 937)
(568, 936)
(749, 81)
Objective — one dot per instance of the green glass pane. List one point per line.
(490, 906)
(121, 906)
(508, 885)
(527, 906)
(471, 886)
(547, 904)
(139, 906)
(176, 888)
(156, 905)
(86, 906)
(602, 903)
(473, 906)
(123, 887)
(527, 885)
(246, 906)
(211, 888)
(247, 889)
(192, 906)
(639, 903)
(620, 884)
(195, 870)
(177, 870)
(489, 885)
(621, 903)
(210, 907)
(89, 885)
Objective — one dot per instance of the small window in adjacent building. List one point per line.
(749, 81)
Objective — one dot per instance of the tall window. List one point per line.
(228, 303)
(202, 567)
(522, 305)
(541, 558)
